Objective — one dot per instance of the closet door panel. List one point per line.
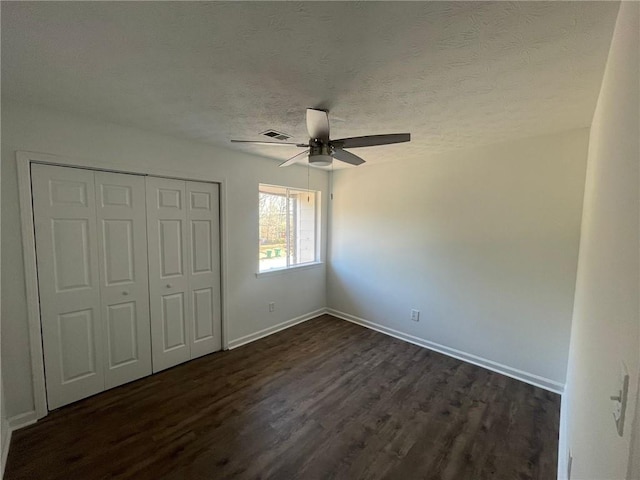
(168, 278)
(122, 238)
(204, 267)
(124, 348)
(68, 279)
(173, 321)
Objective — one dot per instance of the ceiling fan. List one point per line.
(322, 150)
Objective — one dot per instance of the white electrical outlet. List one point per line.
(415, 315)
(272, 306)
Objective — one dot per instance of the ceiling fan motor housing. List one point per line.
(320, 155)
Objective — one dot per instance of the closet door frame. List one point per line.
(24, 160)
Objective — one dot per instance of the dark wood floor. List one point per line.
(324, 399)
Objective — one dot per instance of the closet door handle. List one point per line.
(125, 292)
(168, 285)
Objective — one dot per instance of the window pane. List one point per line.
(287, 227)
(273, 229)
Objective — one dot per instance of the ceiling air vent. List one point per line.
(276, 135)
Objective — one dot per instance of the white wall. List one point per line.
(100, 144)
(4, 424)
(483, 242)
(4, 430)
(606, 321)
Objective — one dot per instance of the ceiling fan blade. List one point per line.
(347, 157)
(318, 124)
(284, 144)
(293, 159)
(371, 140)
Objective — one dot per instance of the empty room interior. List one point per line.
(311, 240)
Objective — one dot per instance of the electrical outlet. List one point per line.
(415, 315)
(272, 306)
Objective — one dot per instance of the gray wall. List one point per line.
(4, 425)
(101, 144)
(606, 320)
(484, 242)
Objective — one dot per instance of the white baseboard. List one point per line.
(14, 423)
(252, 337)
(22, 420)
(526, 377)
(6, 441)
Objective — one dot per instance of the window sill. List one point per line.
(280, 271)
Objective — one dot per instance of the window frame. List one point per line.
(317, 211)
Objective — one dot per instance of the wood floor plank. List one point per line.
(324, 399)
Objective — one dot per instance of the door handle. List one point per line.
(125, 292)
(168, 285)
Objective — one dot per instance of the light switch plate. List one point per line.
(620, 399)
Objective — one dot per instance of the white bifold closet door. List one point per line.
(184, 270)
(124, 282)
(93, 280)
(68, 278)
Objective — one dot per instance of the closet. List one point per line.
(128, 274)
(184, 270)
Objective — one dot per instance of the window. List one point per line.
(288, 227)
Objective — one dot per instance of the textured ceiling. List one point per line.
(454, 74)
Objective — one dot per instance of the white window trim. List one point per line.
(280, 271)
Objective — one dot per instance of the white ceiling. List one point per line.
(454, 74)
